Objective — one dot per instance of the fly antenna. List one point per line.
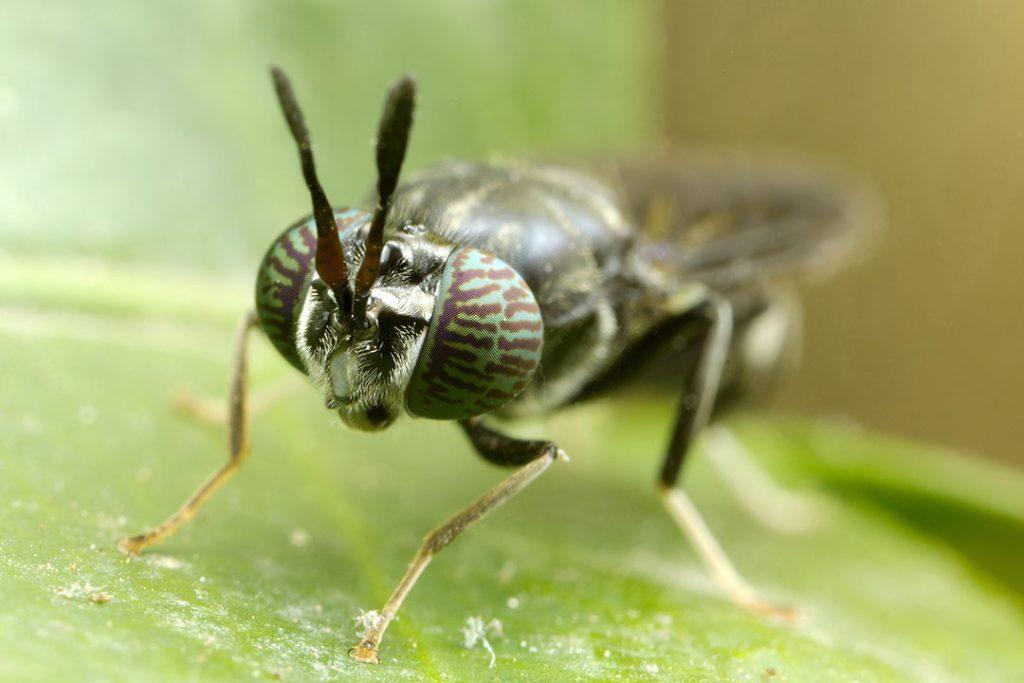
(330, 259)
(392, 140)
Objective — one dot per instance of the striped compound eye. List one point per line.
(484, 341)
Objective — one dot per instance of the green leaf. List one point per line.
(146, 168)
(916, 574)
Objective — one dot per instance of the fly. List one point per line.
(475, 290)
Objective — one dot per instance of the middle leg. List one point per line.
(211, 411)
(712, 322)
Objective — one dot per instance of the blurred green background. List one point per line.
(144, 167)
(150, 133)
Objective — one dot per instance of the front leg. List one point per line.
(238, 448)
(501, 450)
(533, 457)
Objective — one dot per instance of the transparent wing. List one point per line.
(730, 221)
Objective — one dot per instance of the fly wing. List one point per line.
(731, 222)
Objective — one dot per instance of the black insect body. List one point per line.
(481, 289)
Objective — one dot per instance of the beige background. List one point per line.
(926, 99)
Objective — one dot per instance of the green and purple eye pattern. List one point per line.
(484, 342)
(284, 276)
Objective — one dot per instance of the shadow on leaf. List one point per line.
(990, 542)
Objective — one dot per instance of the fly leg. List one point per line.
(764, 351)
(212, 411)
(238, 448)
(713, 319)
(532, 458)
(781, 510)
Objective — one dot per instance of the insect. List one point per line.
(475, 290)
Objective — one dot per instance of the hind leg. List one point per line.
(764, 351)
(779, 509)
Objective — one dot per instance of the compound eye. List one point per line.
(484, 341)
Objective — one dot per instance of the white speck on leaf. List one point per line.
(299, 538)
(85, 591)
(476, 631)
(367, 620)
(87, 414)
(105, 521)
(31, 425)
(76, 590)
(8, 101)
(513, 602)
(165, 562)
(507, 572)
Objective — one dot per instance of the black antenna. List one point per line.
(330, 259)
(392, 140)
